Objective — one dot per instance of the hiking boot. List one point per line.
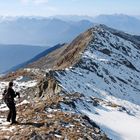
(15, 122)
(8, 120)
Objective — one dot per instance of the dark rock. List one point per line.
(105, 51)
(90, 121)
(37, 137)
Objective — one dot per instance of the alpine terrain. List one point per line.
(88, 89)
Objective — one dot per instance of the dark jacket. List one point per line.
(11, 95)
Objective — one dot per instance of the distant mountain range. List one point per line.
(137, 17)
(74, 18)
(39, 31)
(59, 29)
(129, 24)
(125, 23)
(11, 55)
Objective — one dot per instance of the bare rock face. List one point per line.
(48, 86)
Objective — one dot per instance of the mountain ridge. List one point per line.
(94, 79)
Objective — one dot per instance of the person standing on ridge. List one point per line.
(9, 96)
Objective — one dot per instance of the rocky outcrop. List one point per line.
(43, 117)
(48, 86)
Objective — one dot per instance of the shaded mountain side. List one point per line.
(66, 56)
(133, 38)
(37, 57)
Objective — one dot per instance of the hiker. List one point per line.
(9, 95)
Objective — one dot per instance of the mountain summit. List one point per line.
(93, 79)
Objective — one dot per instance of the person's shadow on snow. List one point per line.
(31, 123)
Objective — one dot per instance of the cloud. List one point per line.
(34, 1)
(40, 1)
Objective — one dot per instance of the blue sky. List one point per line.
(68, 7)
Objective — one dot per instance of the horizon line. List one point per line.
(69, 15)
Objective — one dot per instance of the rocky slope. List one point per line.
(41, 115)
(95, 79)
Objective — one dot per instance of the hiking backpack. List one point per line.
(7, 97)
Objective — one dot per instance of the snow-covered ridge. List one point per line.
(109, 69)
(111, 61)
